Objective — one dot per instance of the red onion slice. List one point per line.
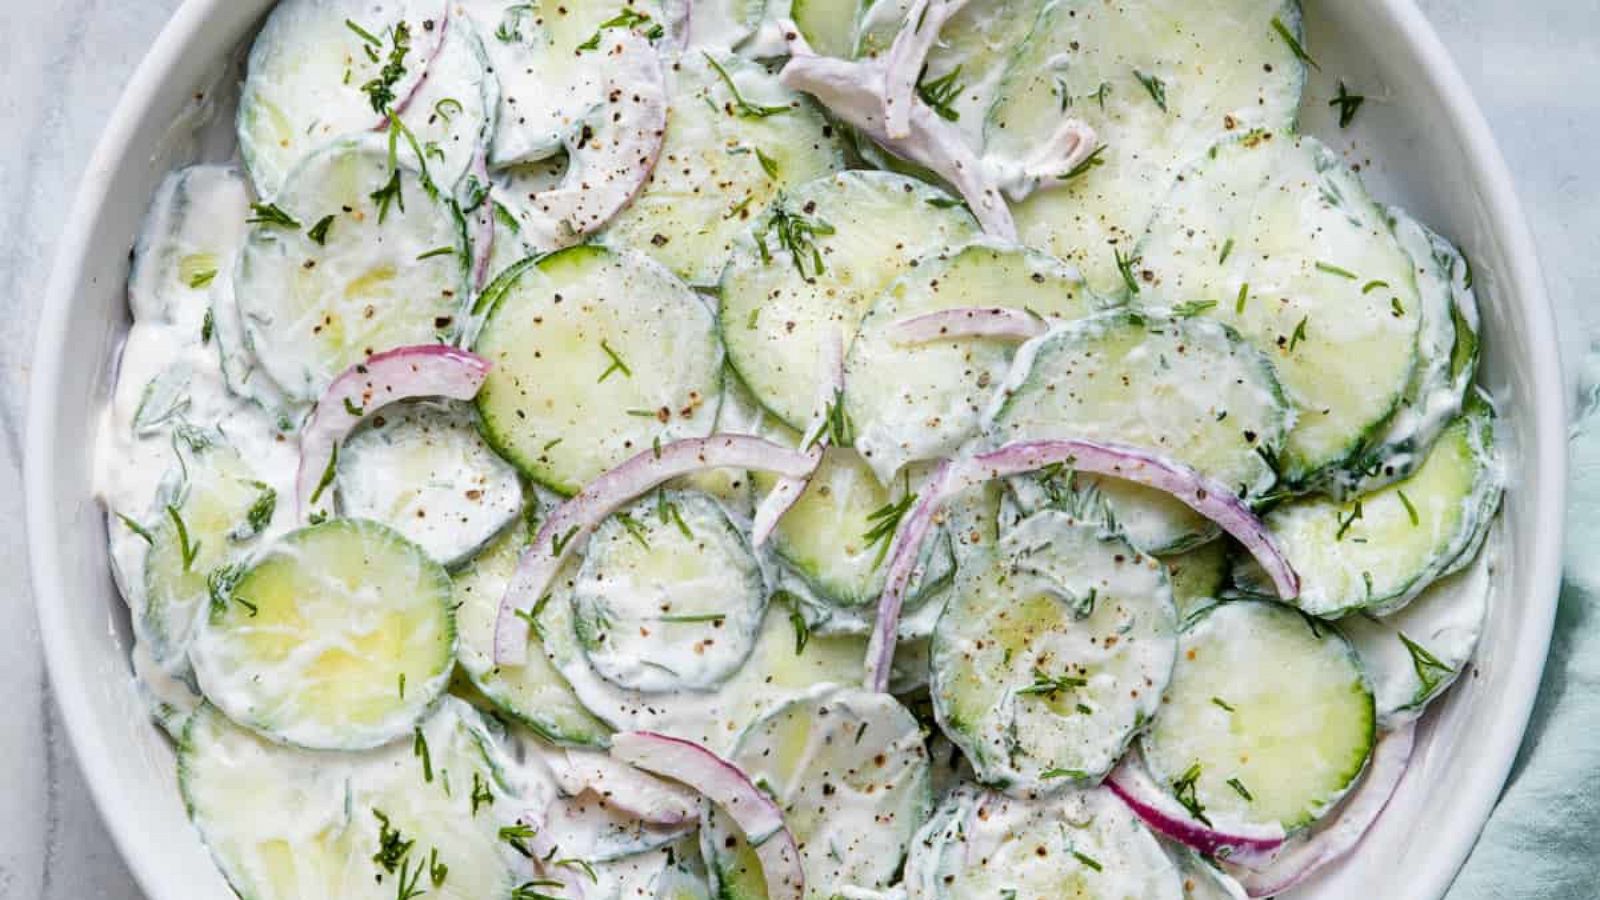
(1205, 496)
(1130, 782)
(969, 322)
(853, 91)
(571, 524)
(787, 491)
(905, 59)
(730, 788)
(405, 373)
(1300, 860)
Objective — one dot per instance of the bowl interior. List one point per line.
(1418, 140)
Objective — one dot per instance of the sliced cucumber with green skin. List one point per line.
(1048, 662)
(187, 245)
(1414, 655)
(1198, 576)
(810, 268)
(1072, 845)
(1241, 745)
(922, 401)
(550, 74)
(340, 636)
(722, 165)
(670, 596)
(597, 355)
(851, 773)
(976, 44)
(284, 823)
(1379, 551)
(317, 73)
(834, 540)
(388, 273)
(423, 470)
(208, 524)
(823, 535)
(1185, 388)
(787, 661)
(1160, 83)
(534, 694)
(1447, 361)
(829, 26)
(1281, 237)
(453, 112)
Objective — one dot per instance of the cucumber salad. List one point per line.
(920, 449)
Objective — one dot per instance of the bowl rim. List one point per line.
(1485, 168)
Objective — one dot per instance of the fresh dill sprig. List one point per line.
(1184, 790)
(1155, 86)
(186, 550)
(1125, 266)
(380, 90)
(941, 92)
(319, 231)
(270, 214)
(1429, 668)
(517, 837)
(884, 523)
(1294, 43)
(419, 749)
(1091, 161)
(1046, 684)
(1192, 308)
(618, 364)
(1347, 103)
(796, 233)
(739, 106)
(137, 529)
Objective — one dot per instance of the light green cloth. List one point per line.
(1544, 838)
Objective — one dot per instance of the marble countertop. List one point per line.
(1534, 64)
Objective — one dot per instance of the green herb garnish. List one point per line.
(1347, 103)
(1294, 43)
(617, 363)
(740, 106)
(319, 231)
(1155, 86)
(270, 214)
(941, 92)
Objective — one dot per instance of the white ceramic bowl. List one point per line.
(1420, 140)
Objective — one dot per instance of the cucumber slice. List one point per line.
(829, 26)
(1048, 661)
(597, 354)
(1447, 361)
(317, 72)
(186, 246)
(1198, 577)
(670, 596)
(854, 232)
(1307, 247)
(586, 827)
(721, 166)
(339, 637)
(211, 522)
(533, 694)
(452, 114)
(1218, 67)
(787, 661)
(851, 773)
(1414, 655)
(385, 274)
(1185, 388)
(550, 68)
(823, 535)
(287, 823)
(1071, 845)
(1238, 743)
(976, 44)
(423, 470)
(922, 402)
(1379, 551)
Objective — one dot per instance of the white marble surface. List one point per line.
(1535, 65)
